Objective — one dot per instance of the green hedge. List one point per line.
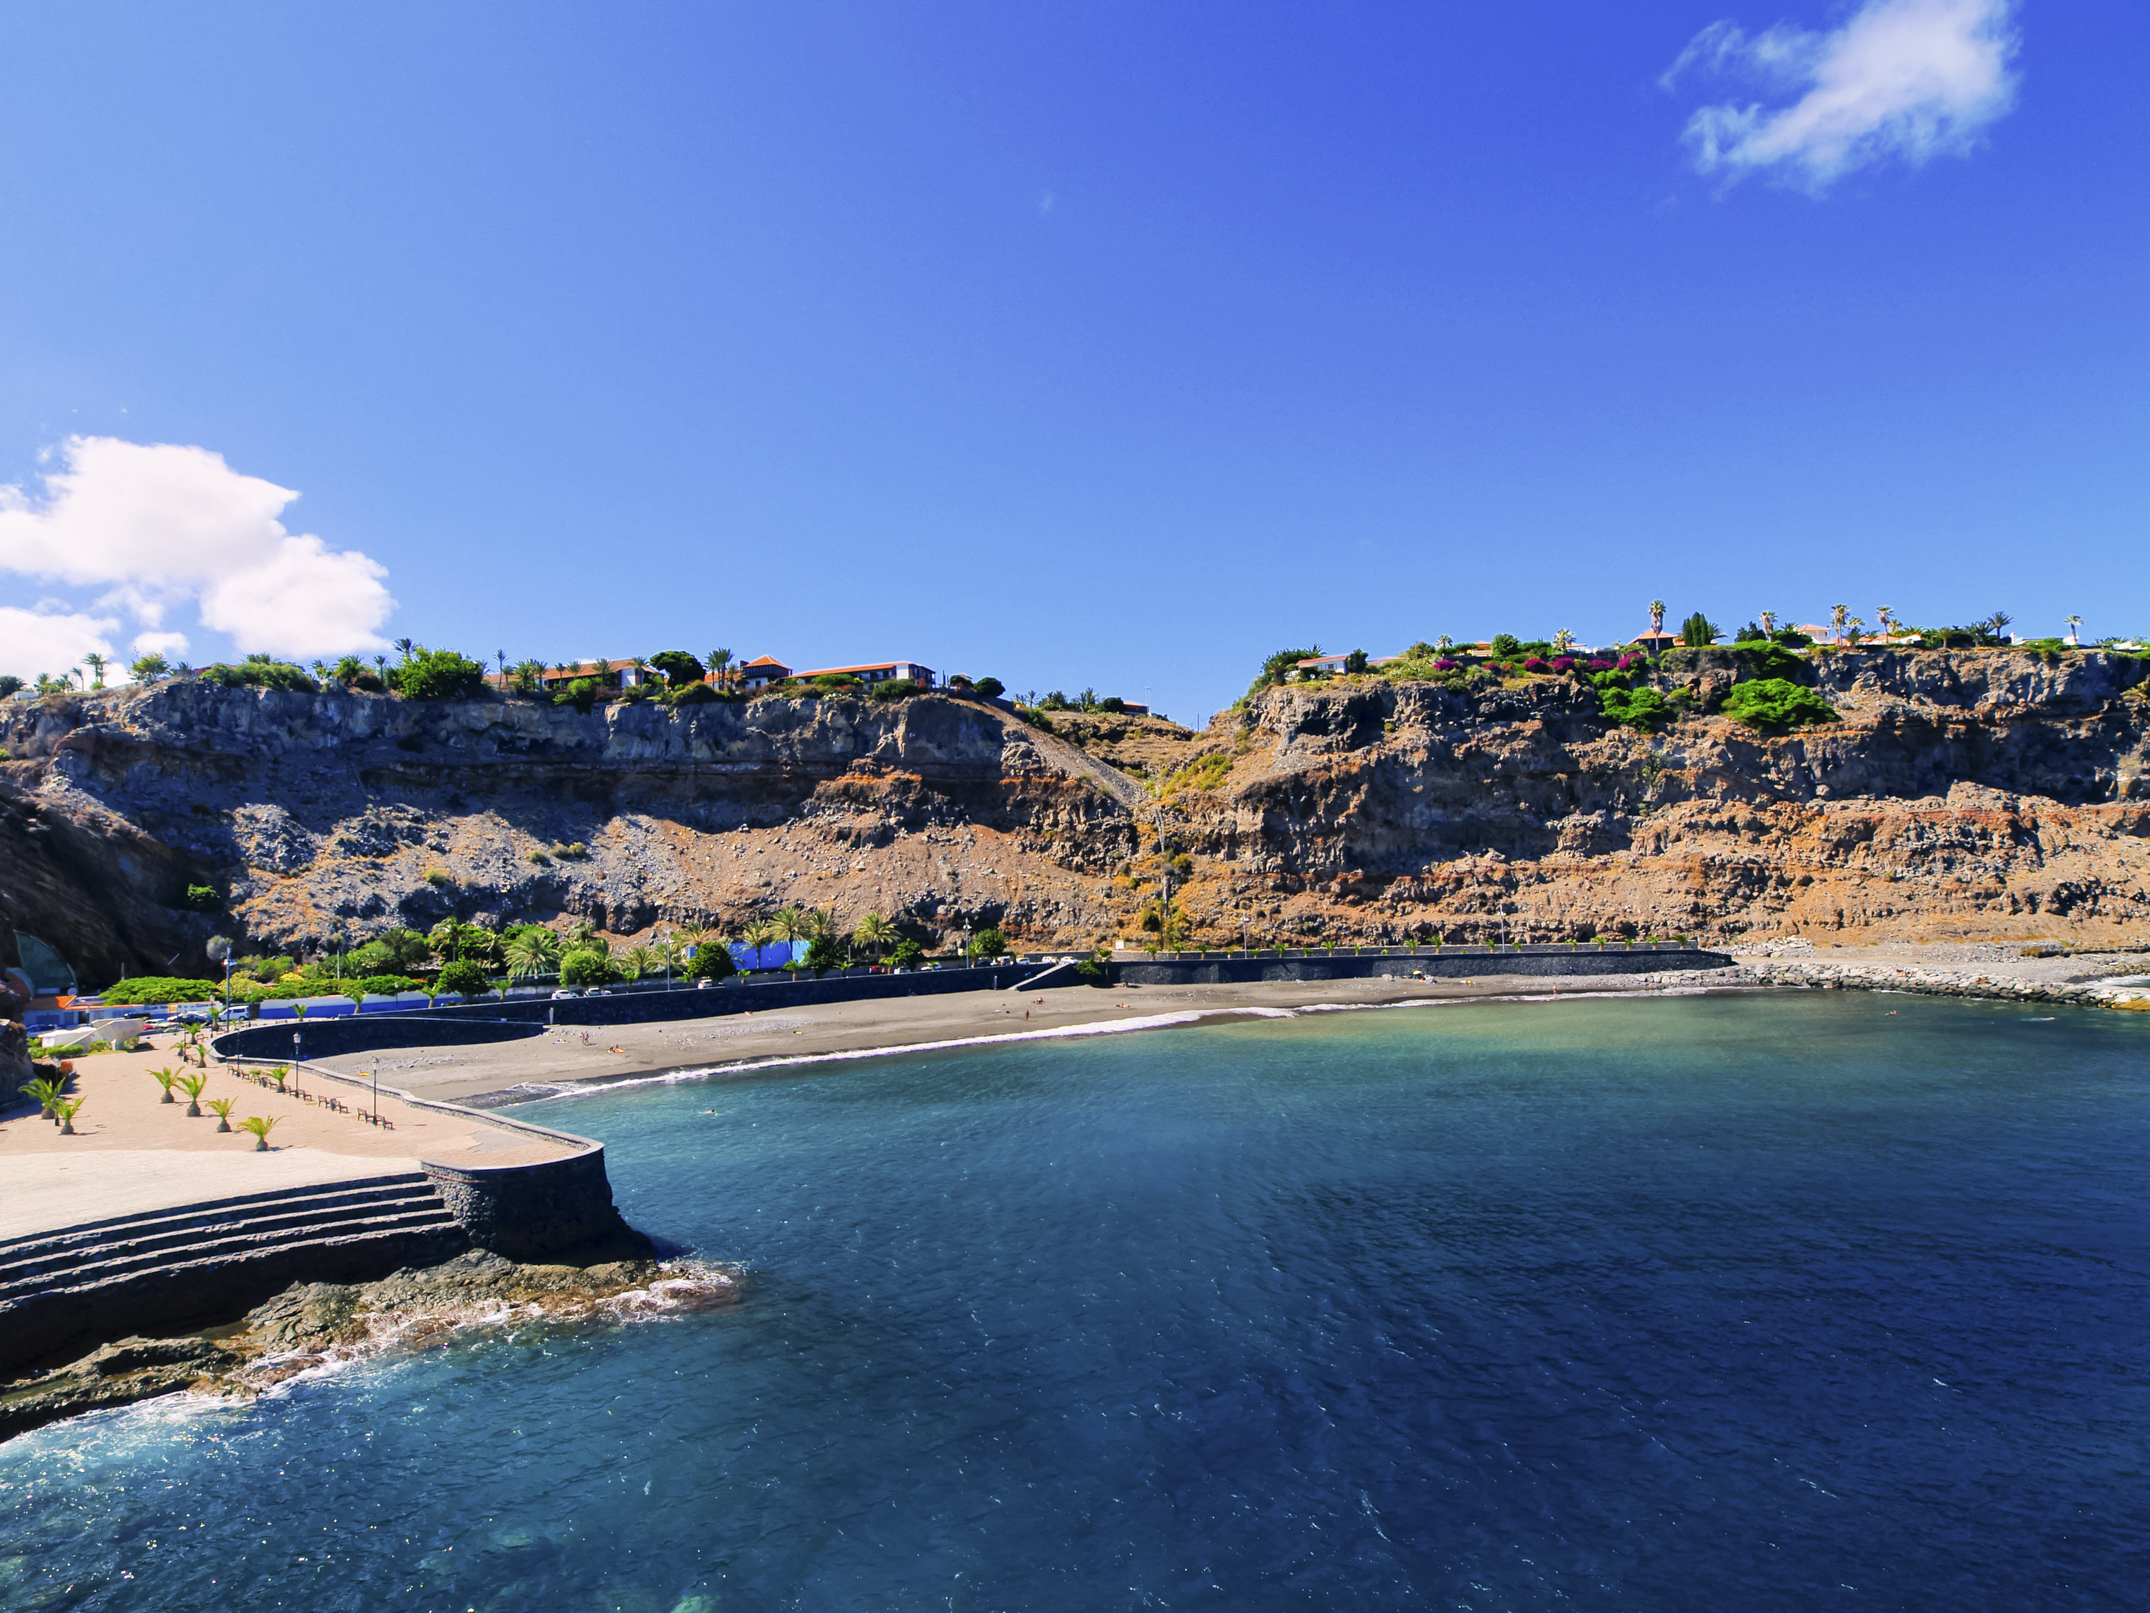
(162, 989)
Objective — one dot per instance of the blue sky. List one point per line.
(1104, 344)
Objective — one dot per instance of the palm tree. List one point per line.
(405, 647)
(1838, 615)
(1561, 641)
(1886, 615)
(874, 932)
(534, 951)
(638, 961)
(96, 664)
(1657, 615)
(1768, 619)
(580, 932)
(719, 661)
(1850, 631)
(759, 935)
(2075, 630)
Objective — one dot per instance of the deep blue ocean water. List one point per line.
(1727, 1302)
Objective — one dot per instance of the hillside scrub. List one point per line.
(1764, 703)
(262, 673)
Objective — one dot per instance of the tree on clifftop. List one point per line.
(438, 675)
(679, 668)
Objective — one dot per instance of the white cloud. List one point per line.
(1908, 79)
(43, 641)
(162, 524)
(169, 645)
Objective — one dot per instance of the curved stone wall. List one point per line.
(556, 1208)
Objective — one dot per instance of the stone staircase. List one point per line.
(170, 1270)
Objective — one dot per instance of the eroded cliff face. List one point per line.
(1983, 794)
(313, 814)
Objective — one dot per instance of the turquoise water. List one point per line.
(1717, 1302)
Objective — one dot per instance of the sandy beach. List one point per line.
(563, 1057)
(133, 1152)
(744, 1042)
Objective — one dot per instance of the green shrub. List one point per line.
(1274, 670)
(1644, 710)
(260, 672)
(581, 694)
(585, 966)
(383, 985)
(895, 689)
(1037, 719)
(692, 694)
(1505, 646)
(908, 955)
(203, 898)
(988, 944)
(824, 953)
(1772, 661)
(162, 989)
(438, 675)
(464, 978)
(1774, 703)
(634, 694)
(1094, 972)
(712, 961)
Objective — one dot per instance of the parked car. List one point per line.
(226, 1016)
(597, 991)
(562, 993)
(193, 1016)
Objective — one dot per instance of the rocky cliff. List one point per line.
(1985, 793)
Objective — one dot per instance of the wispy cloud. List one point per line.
(34, 641)
(159, 525)
(1901, 79)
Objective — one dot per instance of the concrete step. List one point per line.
(207, 1209)
(149, 1235)
(241, 1243)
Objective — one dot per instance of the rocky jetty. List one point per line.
(311, 1325)
(1988, 793)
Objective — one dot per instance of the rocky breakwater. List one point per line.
(1975, 793)
(312, 1325)
(312, 815)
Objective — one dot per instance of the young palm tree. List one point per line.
(2075, 630)
(47, 1093)
(260, 1129)
(1561, 641)
(165, 1078)
(405, 647)
(1768, 619)
(535, 951)
(580, 933)
(223, 1108)
(191, 1084)
(875, 933)
(759, 935)
(67, 1109)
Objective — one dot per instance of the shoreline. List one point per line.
(568, 1062)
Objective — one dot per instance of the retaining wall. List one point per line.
(1442, 963)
